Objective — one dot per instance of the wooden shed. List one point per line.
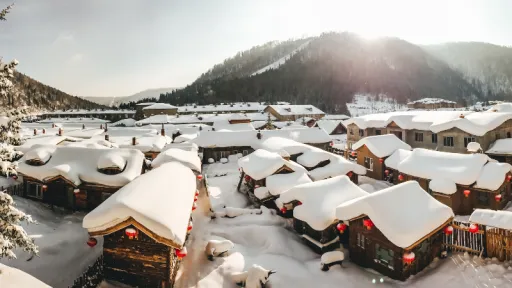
(393, 238)
(498, 233)
(145, 227)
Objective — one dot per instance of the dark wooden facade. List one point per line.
(217, 153)
(462, 205)
(327, 238)
(374, 165)
(371, 249)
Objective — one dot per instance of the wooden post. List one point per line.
(162, 131)
(60, 131)
(134, 141)
(107, 138)
(484, 241)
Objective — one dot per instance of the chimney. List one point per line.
(83, 126)
(162, 131)
(60, 131)
(53, 125)
(101, 126)
(35, 132)
(106, 127)
(258, 135)
(44, 131)
(134, 141)
(107, 138)
(213, 128)
(461, 116)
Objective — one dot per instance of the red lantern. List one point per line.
(44, 187)
(298, 203)
(247, 178)
(194, 206)
(466, 193)
(76, 191)
(284, 210)
(401, 177)
(368, 224)
(353, 153)
(497, 197)
(92, 242)
(349, 174)
(181, 253)
(509, 177)
(341, 227)
(409, 258)
(131, 232)
(14, 177)
(386, 172)
(199, 177)
(381, 160)
(195, 198)
(448, 230)
(473, 228)
(189, 228)
(197, 192)
(331, 144)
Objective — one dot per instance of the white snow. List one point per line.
(498, 219)
(281, 60)
(160, 106)
(262, 163)
(328, 125)
(474, 147)
(432, 101)
(443, 185)
(338, 166)
(184, 138)
(160, 200)
(312, 157)
(335, 117)
(382, 145)
(78, 164)
(226, 126)
(363, 104)
(398, 156)
(501, 147)
(14, 278)
(493, 175)
(238, 106)
(187, 158)
(476, 123)
(84, 133)
(261, 192)
(130, 122)
(111, 159)
(298, 110)
(386, 208)
(43, 140)
(332, 256)
(280, 183)
(320, 199)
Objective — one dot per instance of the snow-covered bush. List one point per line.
(223, 160)
(211, 161)
(12, 235)
(218, 248)
(255, 277)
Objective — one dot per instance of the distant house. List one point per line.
(332, 127)
(372, 151)
(145, 226)
(498, 231)
(501, 150)
(396, 231)
(237, 107)
(105, 114)
(294, 112)
(159, 109)
(432, 103)
(313, 206)
(77, 178)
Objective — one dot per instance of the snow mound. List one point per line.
(262, 163)
(280, 183)
(14, 278)
(111, 160)
(381, 145)
(187, 158)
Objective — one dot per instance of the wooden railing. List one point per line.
(15, 190)
(92, 277)
(461, 240)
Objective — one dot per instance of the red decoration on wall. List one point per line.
(247, 178)
(349, 174)
(283, 210)
(199, 177)
(44, 187)
(195, 198)
(298, 203)
(473, 228)
(498, 197)
(354, 154)
(448, 230)
(401, 177)
(197, 192)
(368, 224)
(386, 172)
(409, 257)
(331, 144)
(181, 253)
(509, 177)
(92, 242)
(381, 160)
(466, 193)
(194, 206)
(131, 233)
(189, 228)
(341, 227)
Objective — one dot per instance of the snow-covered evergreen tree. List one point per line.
(12, 235)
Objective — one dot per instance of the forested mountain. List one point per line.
(27, 91)
(486, 66)
(327, 72)
(119, 100)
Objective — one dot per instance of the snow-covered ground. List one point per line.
(370, 104)
(281, 60)
(63, 252)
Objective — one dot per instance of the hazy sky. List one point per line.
(120, 47)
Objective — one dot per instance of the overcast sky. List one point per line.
(120, 47)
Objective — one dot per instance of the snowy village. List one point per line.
(325, 160)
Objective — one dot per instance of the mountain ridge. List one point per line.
(117, 100)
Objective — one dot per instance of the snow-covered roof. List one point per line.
(328, 125)
(182, 146)
(262, 163)
(15, 278)
(144, 143)
(278, 144)
(312, 157)
(129, 122)
(387, 208)
(246, 106)
(335, 117)
(184, 137)
(280, 183)
(226, 126)
(463, 169)
(160, 106)
(320, 199)
(477, 123)
(187, 158)
(248, 138)
(443, 185)
(382, 145)
(238, 116)
(338, 166)
(85, 133)
(160, 200)
(261, 192)
(398, 156)
(43, 140)
(432, 101)
(296, 109)
(501, 147)
(493, 175)
(83, 111)
(498, 219)
(501, 107)
(77, 164)
(155, 119)
(111, 160)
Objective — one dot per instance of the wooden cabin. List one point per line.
(294, 112)
(372, 151)
(77, 178)
(313, 205)
(332, 127)
(145, 227)
(498, 232)
(393, 239)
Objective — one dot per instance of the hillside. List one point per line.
(38, 96)
(328, 72)
(116, 101)
(487, 66)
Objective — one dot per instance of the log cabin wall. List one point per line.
(140, 261)
(323, 237)
(374, 169)
(425, 252)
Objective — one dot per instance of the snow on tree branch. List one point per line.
(4, 12)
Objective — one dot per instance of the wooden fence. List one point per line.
(92, 277)
(499, 243)
(461, 240)
(16, 190)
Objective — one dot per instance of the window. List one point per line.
(418, 137)
(384, 256)
(434, 138)
(361, 132)
(448, 141)
(368, 163)
(245, 152)
(360, 240)
(378, 132)
(508, 135)
(482, 198)
(468, 139)
(398, 134)
(34, 190)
